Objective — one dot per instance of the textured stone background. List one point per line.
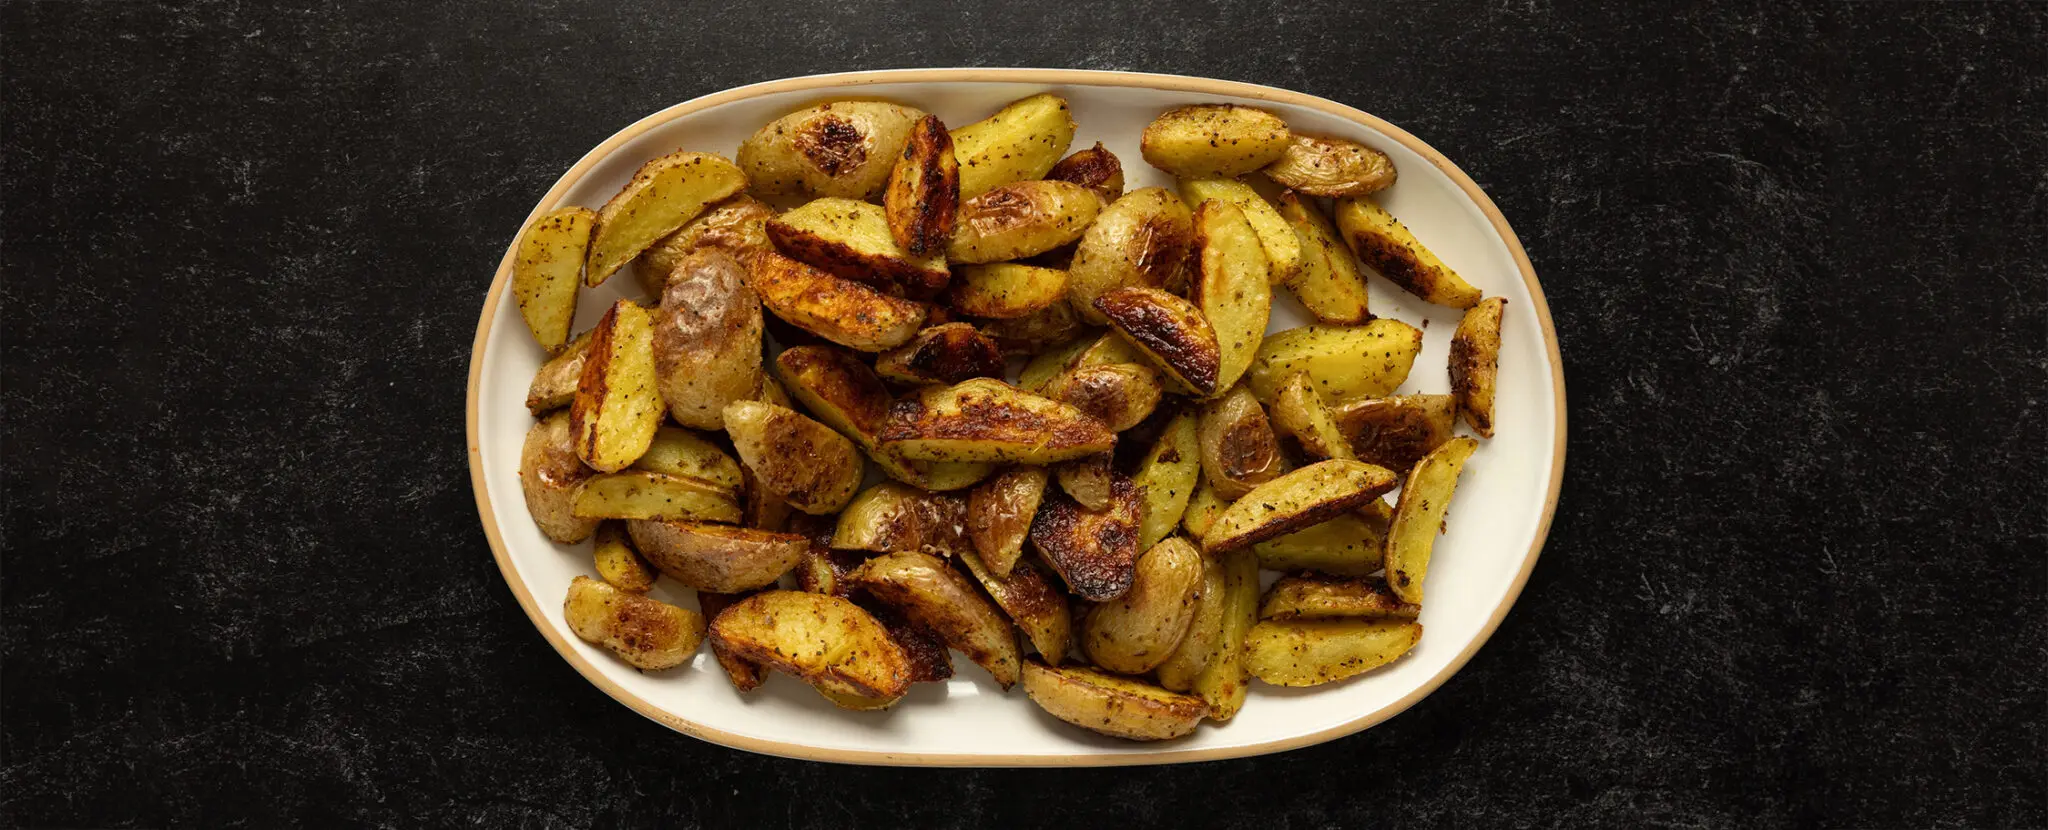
(1795, 251)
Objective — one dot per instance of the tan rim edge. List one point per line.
(1068, 77)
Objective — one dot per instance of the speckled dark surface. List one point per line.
(1795, 251)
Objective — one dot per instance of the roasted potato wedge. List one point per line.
(1167, 477)
(1116, 706)
(823, 570)
(639, 494)
(1203, 508)
(1134, 633)
(1022, 219)
(714, 557)
(551, 477)
(1299, 411)
(548, 270)
(1350, 544)
(664, 195)
(1314, 652)
(746, 675)
(1386, 246)
(1205, 631)
(1231, 286)
(844, 148)
(761, 509)
(840, 310)
(1170, 332)
(1006, 290)
(801, 461)
(618, 405)
(929, 660)
(1328, 283)
(1345, 362)
(1021, 141)
(999, 514)
(1222, 683)
(554, 386)
(933, 594)
(829, 642)
(1118, 394)
(1030, 599)
(1475, 362)
(1213, 140)
(923, 197)
(1316, 597)
(1143, 240)
(848, 396)
(707, 339)
(1094, 551)
(1034, 332)
(737, 226)
(680, 452)
(1239, 449)
(1283, 248)
(988, 420)
(891, 517)
(1095, 168)
(942, 355)
(1419, 516)
(617, 563)
(851, 239)
(1087, 480)
(1308, 496)
(1321, 165)
(1398, 431)
(648, 634)
(1046, 366)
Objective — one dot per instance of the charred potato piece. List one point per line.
(824, 570)
(1283, 248)
(1167, 477)
(547, 271)
(664, 195)
(1087, 480)
(929, 661)
(1222, 683)
(1030, 599)
(551, 477)
(1115, 706)
(554, 386)
(1239, 449)
(617, 405)
(1094, 551)
(1006, 290)
(1136, 632)
(681, 453)
(923, 197)
(1170, 332)
(1321, 165)
(1034, 332)
(1308, 496)
(1316, 597)
(746, 675)
(737, 226)
(1475, 362)
(1300, 412)
(1143, 240)
(848, 396)
(942, 355)
(1205, 631)
(639, 494)
(1396, 432)
(1231, 286)
(801, 461)
(1327, 283)
(829, 642)
(1203, 508)
(707, 339)
(1213, 140)
(1020, 142)
(931, 593)
(1119, 395)
(617, 563)
(844, 148)
(1314, 652)
(840, 310)
(1021, 219)
(999, 514)
(851, 239)
(1352, 544)
(988, 420)
(891, 517)
(1386, 246)
(648, 634)
(762, 508)
(1345, 362)
(1094, 168)
(1419, 516)
(718, 558)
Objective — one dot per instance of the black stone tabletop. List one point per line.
(1795, 250)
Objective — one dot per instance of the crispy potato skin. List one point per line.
(1020, 142)
(988, 420)
(1169, 330)
(1205, 631)
(1213, 140)
(1115, 706)
(1389, 248)
(707, 339)
(929, 660)
(1094, 551)
(1321, 165)
(843, 148)
(1299, 411)
(1222, 684)
(1006, 290)
(1396, 432)
(1345, 362)
(746, 675)
(999, 513)
(1143, 240)
(932, 594)
(1095, 168)
(618, 405)
(1022, 219)
(1327, 283)
(851, 239)
(829, 642)
(1475, 362)
(616, 561)
(1030, 599)
(547, 271)
(1034, 332)
(943, 355)
(923, 197)
(713, 557)
(1120, 395)
(1317, 597)
(1136, 632)
(550, 475)
(801, 461)
(648, 634)
(1232, 286)
(1308, 496)
(1167, 477)
(1239, 449)
(1419, 516)
(1314, 652)
(737, 226)
(890, 517)
(665, 194)
(840, 310)
(554, 386)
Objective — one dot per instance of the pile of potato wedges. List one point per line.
(810, 416)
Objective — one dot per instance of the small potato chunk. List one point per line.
(1095, 168)
(664, 195)
(942, 355)
(1231, 286)
(1398, 431)
(639, 494)
(1222, 683)
(1030, 599)
(851, 239)
(1167, 477)
(1283, 248)
(551, 477)
(548, 270)
(1134, 633)
(1351, 544)
(923, 197)
(554, 386)
(1143, 240)
(1321, 165)
(1203, 508)
(1316, 597)
(1205, 632)
(891, 517)
(801, 461)
(1006, 290)
(840, 310)
(1021, 141)
(707, 339)
(1115, 706)
(843, 148)
(715, 557)
(1022, 219)
(999, 514)
(1345, 362)
(1213, 140)
(682, 453)
(1088, 480)
(1094, 551)
(617, 563)
(931, 593)
(1419, 516)
(1386, 246)
(988, 420)
(1170, 332)
(1314, 652)
(1328, 283)
(829, 642)
(1299, 411)
(1034, 332)
(746, 675)
(618, 402)
(1239, 448)
(1120, 395)
(1308, 496)
(848, 396)
(1475, 362)
(648, 634)
(737, 226)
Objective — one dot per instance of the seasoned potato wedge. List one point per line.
(680, 452)
(929, 661)
(1087, 480)
(1222, 683)
(1021, 141)
(1315, 597)
(1094, 551)
(1006, 290)
(1143, 240)
(1205, 631)
(1308, 496)
(801, 461)
(1475, 361)
(1231, 286)
(1213, 140)
(617, 405)
(665, 194)
(840, 310)
(1386, 246)
(1321, 165)
(942, 355)
(737, 226)
(1299, 411)
(999, 513)
(1030, 599)
(1116, 706)
(1034, 332)
(760, 508)
(1398, 431)
(1350, 544)
(1022, 219)
(848, 396)
(1419, 516)
(823, 570)
(1134, 633)
(1167, 477)
(891, 517)
(1314, 652)
(707, 339)
(988, 420)
(639, 494)
(1169, 331)
(551, 477)
(1094, 168)
(933, 594)
(746, 675)
(715, 557)
(548, 270)
(1049, 365)
(844, 148)
(851, 239)
(1345, 362)
(1118, 394)
(554, 386)
(1239, 448)
(923, 197)
(648, 634)
(616, 561)
(829, 642)
(1283, 248)
(1203, 508)
(1328, 283)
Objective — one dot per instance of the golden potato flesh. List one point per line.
(942, 355)
(1135, 632)
(1028, 595)
(1167, 477)
(1305, 497)
(1223, 683)
(838, 389)
(618, 402)
(1046, 366)
(1328, 282)
(1094, 551)
(554, 386)
(617, 563)
(842, 148)
(1205, 632)
(715, 557)
(1350, 544)
(840, 310)
(1143, 240)
(1213, 140)
(801, 461)
(1112, 705)
(1396, 432)
(1419, 516)
(682, 453)
(988, 420)
(1318, 597)
(933, 594)
(1095, 168)
(1231, 286)
(1299, 411)
(829, 642)
(1386, 246)
(1475, 362)
(639, 494)
(1314, 652)
(548, 270)
(923, 197)
(665, 194)
(999, 513)
(1170, 332)
(551, 476)
(1203, 508)
(1344, 362)
(1022, 141)
(1321, 165)
(648, 634)
(737, 226)
(1021, 219)
(746, 675)
(1283, 247)
(851, 239)
(707, 339)
(1006, 290)
(891, 517)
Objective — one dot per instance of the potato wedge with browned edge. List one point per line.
(1475, 363)
(716, 557)
(1135, 632)
(1213, 140)
(1046, 366)
(1321, 165)
(1170, 332)
(999, 513)
(1119, 395)
(737, 226)
(1095, 168)
(1350, 544)
(851, 239)
(1222, 683)
(639, 494)
(1239, 449)
(1094, 551)
(848, 396)
(1203, 508)
(840, 310)
(989, 420)
(551, 477)
(1034, 332)
(1319, 597)
(618, 402)
(1283, 247)
(707, 339)
(929, 660)
(650, 635)
(932, 593)
(1308, 496)
(1395, 432)
(1328, 283)
(1116, 706)
(617, 563)
(1314, 652)
(548, 270)
(664, 194)
(746, 675)
(1299, 411)
(1087, 480)
(942, 355)
(1029, 597)
(554, 386)
(827, 641)
(824, 569)
(842, 148)
(1419, 516)
(1386, 246)
(1231, 286)
(1006, 290)
(1205, 632)
(890, 517)
(923, 197)
(1345, 362)
(1020, 142)
(801, 461)
(680, 452)
(1167, 477)
(1143, 240)
(1021, 219)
